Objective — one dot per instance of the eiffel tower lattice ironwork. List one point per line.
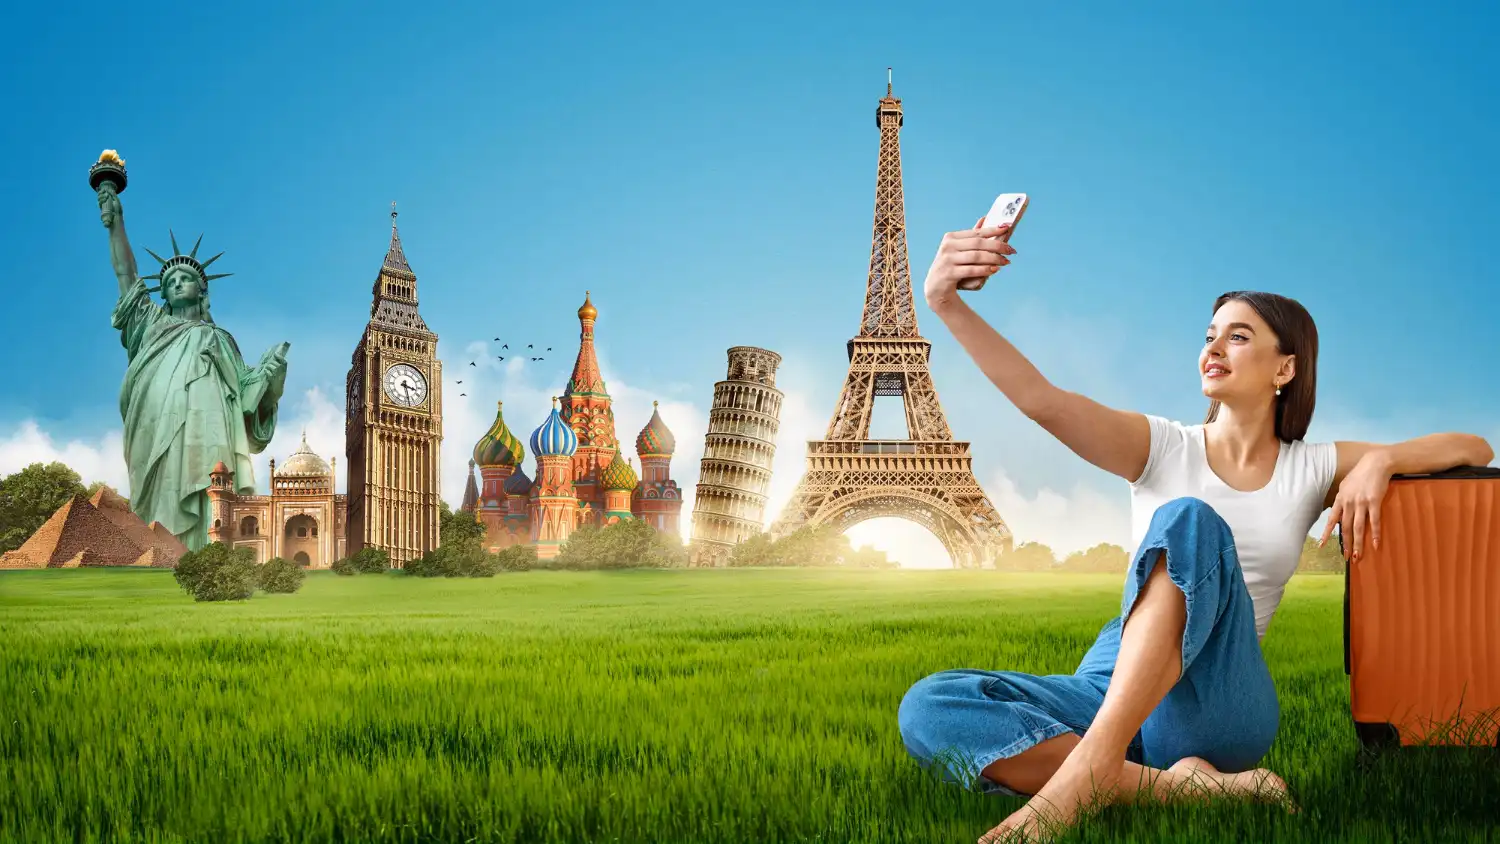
(927, 478)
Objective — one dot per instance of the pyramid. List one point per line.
(153, 558)
(77, 534)
(145, 537)
(171, 547)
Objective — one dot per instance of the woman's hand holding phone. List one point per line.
(965, 260)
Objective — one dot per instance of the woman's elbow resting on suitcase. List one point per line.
(1430, 453)
(1365, 470)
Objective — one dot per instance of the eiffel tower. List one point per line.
(927, 478)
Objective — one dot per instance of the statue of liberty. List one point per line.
(188, 401)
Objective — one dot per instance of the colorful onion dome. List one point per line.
(554, 438)
(518, 483)
(618, 475)
(588, 311)
(655, 438)
(498, 446)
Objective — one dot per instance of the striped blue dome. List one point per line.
(554, 438)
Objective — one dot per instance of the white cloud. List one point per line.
(323, 422)
(801, 419)
(104, 459)
(98, 460)
(1065, 521)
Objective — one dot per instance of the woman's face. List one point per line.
(1239, 360)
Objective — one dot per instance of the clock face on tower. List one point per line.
(404, 385)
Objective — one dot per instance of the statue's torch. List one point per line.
(109, 169)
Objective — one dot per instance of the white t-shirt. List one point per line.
(1269, 524)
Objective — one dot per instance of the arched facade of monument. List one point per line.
(300, 537)
(965, 547)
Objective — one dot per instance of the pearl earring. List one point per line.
(1278, 389)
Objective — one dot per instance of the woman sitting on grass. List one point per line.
(1175, 688)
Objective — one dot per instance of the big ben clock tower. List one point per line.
(393, 426)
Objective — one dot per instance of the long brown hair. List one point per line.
(1296, 334)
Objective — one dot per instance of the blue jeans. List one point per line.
(1222, 709)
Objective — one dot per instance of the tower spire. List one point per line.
(586, 375)
(395, 289)
(395, 258)
(889, 311)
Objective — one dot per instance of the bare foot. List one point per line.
(1083, 781)
(1260, 784)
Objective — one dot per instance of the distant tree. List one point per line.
(517, 557)
(279, 575)
(98, 485)
(371, 560)
(628, 543)
(820, 545)
(1327, 559)
(866, 557)
(463, 557)
(29, 497)
(1028, 557)
(1104, 558)
(758, 550)
(817, 545)
(217, 573)
(456, 527)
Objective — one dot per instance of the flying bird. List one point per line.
(528, 345)
(463, 394)
(460, 382)
(497, 339)
(502, 357)
(472, 363)
(503, 345)
(549, 348)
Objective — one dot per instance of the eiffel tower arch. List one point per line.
(928, 477)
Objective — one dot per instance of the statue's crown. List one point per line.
(178, 260)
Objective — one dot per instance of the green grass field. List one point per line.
(631, 706)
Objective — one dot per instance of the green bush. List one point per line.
(1028, 557)
(371, 560)
(279, 575)
(344, 566)
(517, 558)
(217, 573)
(809, 545)
(462, 556)
(628, 543)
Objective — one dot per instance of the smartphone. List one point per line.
(1008, 208)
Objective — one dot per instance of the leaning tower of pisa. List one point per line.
(736, 468)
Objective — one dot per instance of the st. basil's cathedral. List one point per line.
(581, 474)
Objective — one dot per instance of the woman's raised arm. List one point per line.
(1117, 441)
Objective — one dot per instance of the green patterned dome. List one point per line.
(618, 475)
(655, 438)
(498, 446)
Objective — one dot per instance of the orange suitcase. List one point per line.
(1422, 614)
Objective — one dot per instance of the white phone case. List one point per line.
(1007, 206)
(1006, 210)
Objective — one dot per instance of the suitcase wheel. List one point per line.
(1376, 736)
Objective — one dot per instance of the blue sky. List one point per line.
(708, 173)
